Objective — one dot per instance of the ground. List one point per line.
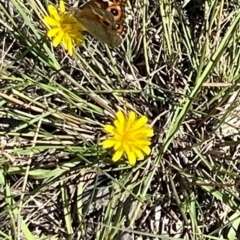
(179, 66)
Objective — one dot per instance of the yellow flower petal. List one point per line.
(120, 117)
(131, 158)
(54, 13)
(149, 132)
(108, 143)
(52, 32)
(140, 122)
(70, 48)
(143, 142)
(117, 155)
(79, 41)
(126, 147)
(62, 6)
(119, 126)
(58, 39)
(109, 129)
(118, 146)
(67, 44)
(50, 21)
(139, 154)
(131, 120)
(146, 150)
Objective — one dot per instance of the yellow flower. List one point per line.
(64, 28)
(129, 136)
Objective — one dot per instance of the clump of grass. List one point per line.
(179, 65)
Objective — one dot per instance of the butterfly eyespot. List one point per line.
(121, 29)
(114, 12)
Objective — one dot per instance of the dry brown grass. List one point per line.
(179, 65)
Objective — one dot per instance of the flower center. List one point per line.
(127, 137)
(66, 27)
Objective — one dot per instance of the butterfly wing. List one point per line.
(99, 23)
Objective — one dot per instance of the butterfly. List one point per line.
(103, 19)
